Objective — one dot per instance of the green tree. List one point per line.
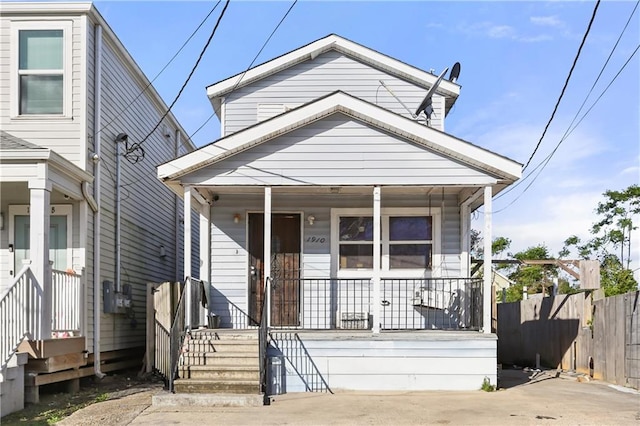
(611, 240)
(536, 278)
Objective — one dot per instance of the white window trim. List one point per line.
(436, 255)
(56, 210)
(67, 72)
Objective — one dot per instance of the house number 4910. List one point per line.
(318, 240)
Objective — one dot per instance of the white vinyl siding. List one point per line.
(147, 206)
(338, 150)
(441, 361)
(313, 79)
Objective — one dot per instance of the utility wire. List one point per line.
(569, 128)
(163, 69)
(566, 83)
(138, 145)
(548, 158)
(249, 67)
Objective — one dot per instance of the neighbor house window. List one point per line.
(409, 239)
(42, 58)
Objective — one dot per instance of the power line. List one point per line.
(544, 162)
(566, 83)
(137, 147)
(569, 129)
(249, 67)
(162, 70)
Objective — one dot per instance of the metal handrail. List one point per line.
(263, 336)
(181, 325)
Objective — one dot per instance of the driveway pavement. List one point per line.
(545, 399)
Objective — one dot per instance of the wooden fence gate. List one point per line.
(162, 301)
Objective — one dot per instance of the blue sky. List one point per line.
(515, 57)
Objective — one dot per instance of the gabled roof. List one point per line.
(10, 142)
(503, 169)
(334, 42)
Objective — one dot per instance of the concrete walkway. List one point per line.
(546, 399)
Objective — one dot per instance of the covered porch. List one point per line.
(44, 227)
(374, 259)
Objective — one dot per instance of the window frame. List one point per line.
(66, 72)
(386, 213)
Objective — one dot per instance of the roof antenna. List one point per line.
(426, 104)
(398, 99)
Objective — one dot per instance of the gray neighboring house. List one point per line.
(69, 234)
(357, 213)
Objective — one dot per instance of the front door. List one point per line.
(59, 235)
(285, 268)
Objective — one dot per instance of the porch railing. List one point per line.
(66, 301)
(20, 313)
(407, 304)
(431, 304)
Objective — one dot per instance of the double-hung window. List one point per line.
(409, 241)
(42, 72)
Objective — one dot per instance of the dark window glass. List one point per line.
(409, 256)
(410, 228)
(356, 228)
(356, 256)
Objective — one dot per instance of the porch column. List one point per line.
(486, 288)
(39, 212)
(375, 280)
(205, 252)
(266, 267)
(186, 213)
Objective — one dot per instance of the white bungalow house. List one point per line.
(356, 211)
(84, 223)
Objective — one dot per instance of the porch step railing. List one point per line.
(182, 324)
(66, 300)
(406, 304)
(20, 313)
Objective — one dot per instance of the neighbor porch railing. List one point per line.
(66, 300)
(20, 313)
(406, 304)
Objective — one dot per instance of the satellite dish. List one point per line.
(455, 72)
(425, 105)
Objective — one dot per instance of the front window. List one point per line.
(408, 239)
(41, 71)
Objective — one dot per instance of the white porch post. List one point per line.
(486, 290)
(39, 212)
(187, 250)
(205, 251)
(267, 250)
(375, 300)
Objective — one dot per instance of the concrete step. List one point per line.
(221, 359)
(169, 399)
(217, 386)
(219, 373)
(202, 345)
(224, 334)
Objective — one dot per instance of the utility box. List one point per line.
(114, 302)
(109, 297)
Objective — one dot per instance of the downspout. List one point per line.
(97, 123)
(176, 217)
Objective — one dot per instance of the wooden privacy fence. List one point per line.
(599, 338)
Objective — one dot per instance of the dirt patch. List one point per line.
(56, 405)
